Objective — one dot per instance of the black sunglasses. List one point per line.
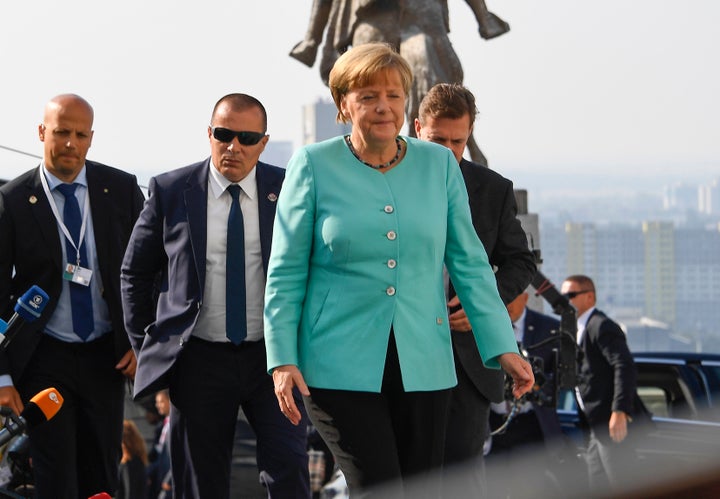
(245, 138)
(572, 294)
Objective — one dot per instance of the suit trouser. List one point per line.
(210, 383)
(610, 464)
(467, 430)
(77, 452)
(379, 440)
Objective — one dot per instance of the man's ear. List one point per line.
(418, 127)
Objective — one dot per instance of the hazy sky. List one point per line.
(620, 86)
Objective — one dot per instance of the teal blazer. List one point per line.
(356, 252)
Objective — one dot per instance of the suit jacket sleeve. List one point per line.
(473, 279)
(135, 202)
(514, 261)
(613, 345)
(6, 258)
(144, 258)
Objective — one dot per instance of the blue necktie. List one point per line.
(235, 314)
(80, 296)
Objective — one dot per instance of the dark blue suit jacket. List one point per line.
(163, 273)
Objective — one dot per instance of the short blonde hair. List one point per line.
(360, 65)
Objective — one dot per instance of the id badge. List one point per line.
(77, 274)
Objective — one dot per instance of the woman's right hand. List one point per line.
(285, 378)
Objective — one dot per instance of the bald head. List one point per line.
(65, 100)
(66, 132)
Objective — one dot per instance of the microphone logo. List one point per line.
(37, 301)
(54, 397)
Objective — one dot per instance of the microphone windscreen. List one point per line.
(30, 305)
(43, 406)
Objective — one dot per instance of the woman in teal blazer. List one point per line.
(355, 298)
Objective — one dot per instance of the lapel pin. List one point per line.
(32, 200)
(272, 197)
(106, 190)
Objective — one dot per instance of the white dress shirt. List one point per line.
(211, 320)
(582, 322)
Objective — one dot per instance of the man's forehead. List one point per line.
(68, 120)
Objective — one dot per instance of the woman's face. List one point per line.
(376, 111)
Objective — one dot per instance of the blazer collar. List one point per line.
(42, 213)
(269, 184)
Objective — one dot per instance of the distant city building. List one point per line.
(659, 269)
(661, 280)
(319, 122)
(277, 152)
(709, 198)
(681, 197)
(697, 278)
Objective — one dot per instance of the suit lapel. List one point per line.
(268, 191)
(196, 210)
(471, 181)
(589, 329)
(101, 209)
(43, 216)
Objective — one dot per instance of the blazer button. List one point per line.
(390, 291)
(439, 321)
(391, 264)
(389, 209)
(391, 235)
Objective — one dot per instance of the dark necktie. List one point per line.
(235, 314)
(519, 343)
(80, 296)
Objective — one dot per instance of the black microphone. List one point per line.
(42, 407)
(28, 308)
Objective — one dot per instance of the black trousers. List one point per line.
(523, 430)
(467, 430)
(210, 383)
(381, 439)
(77, 452)
(611, 464)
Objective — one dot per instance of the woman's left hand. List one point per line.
(285, 378)
(520, 371)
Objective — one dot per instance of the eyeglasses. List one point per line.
(572, 294)
(245, 138)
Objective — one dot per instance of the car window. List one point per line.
(675, 385)
(655, 399)
(712, 372)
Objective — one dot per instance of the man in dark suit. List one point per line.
(193, 283)
(537, 419)
(607, 386)
(64, 227)
(446, 116)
